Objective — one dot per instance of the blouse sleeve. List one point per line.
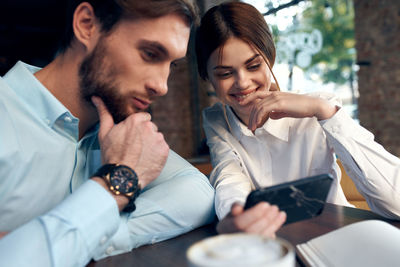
(374, 171)
(229, 176)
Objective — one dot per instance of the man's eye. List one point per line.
(149, 55)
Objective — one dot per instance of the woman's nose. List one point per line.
(242, 80)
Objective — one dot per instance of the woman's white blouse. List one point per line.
(289, 149)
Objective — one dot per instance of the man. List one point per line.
(69, 185)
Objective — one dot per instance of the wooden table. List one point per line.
(173, 252)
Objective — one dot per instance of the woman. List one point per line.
(259, 136)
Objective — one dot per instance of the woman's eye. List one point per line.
(254, 67)
(223, 75)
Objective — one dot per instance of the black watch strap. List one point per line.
(131, 204)
(106, 169)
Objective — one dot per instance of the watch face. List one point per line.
(123, 179)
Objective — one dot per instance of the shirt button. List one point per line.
(109, 250)
(103, 240)
(47, 121)
(335, 129)
(67, 119)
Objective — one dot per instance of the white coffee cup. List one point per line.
(241, 249)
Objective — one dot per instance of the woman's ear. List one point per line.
(85, 25)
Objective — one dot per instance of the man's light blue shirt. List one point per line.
(57, 217)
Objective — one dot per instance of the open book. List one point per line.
(366, 243)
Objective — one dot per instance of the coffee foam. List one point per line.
(241, 249)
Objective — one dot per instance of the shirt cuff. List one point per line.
(342, 125)
(224, 207)
(93, 211)
(119, 243)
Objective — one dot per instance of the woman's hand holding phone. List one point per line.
(263, 219)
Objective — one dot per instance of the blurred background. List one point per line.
(349, 47)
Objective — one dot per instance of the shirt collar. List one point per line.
(29, 89)
(278, 128)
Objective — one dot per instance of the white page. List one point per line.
(366, 243)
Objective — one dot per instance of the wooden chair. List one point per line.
(350, 190)
(203, 164)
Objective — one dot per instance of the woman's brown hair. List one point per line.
(234, 19)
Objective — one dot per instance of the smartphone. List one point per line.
(301, 199)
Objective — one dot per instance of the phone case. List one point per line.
(300, 199)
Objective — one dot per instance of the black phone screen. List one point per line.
(301, 199)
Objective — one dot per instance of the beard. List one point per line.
(97, 78)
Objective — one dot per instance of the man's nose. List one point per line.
(158, 85)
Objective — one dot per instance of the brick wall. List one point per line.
(173, 112)
(377, 33)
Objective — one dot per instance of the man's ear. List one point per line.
(85, 25)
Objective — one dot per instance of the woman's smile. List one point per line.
(240, 96)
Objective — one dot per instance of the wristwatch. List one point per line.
(121, 180)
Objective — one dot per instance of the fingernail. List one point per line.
(94, 100)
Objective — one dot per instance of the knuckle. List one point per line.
(139, 117)
(154, 126)
(166, 151)
(275, 94)
(160, 138)
(163, 145)
(264, 206)
(166, 148)
(148, 125)
(131, 120)
(282, 216)
(273, 210)
(238, 225)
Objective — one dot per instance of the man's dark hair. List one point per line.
(109, 12)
